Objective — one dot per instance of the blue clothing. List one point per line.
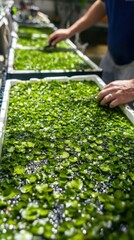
(121, 30)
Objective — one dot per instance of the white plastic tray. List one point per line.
(4, 108)
(95, 69)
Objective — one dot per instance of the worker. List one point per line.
(118, 62)
(23, 13)
(36, 14)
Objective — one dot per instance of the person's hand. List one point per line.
(57, 36)
(117, 92)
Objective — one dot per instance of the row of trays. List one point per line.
(66, 162)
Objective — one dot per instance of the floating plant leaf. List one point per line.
(19, 170)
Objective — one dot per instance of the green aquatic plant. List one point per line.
(39, 60)
(67, 165)
(36, 37)
(25, 30)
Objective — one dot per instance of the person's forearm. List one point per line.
(90, 18)
(96, 12)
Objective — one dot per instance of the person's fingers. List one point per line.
(52, 39)
(103, 93)
(51, 36)
(119, 99)
(109, 89)
(116, 93)
(106, 99)
(57, 38)
(114, 103)
(116, 100)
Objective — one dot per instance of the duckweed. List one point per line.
(36, 37)
(39, 60)
(67, 165)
